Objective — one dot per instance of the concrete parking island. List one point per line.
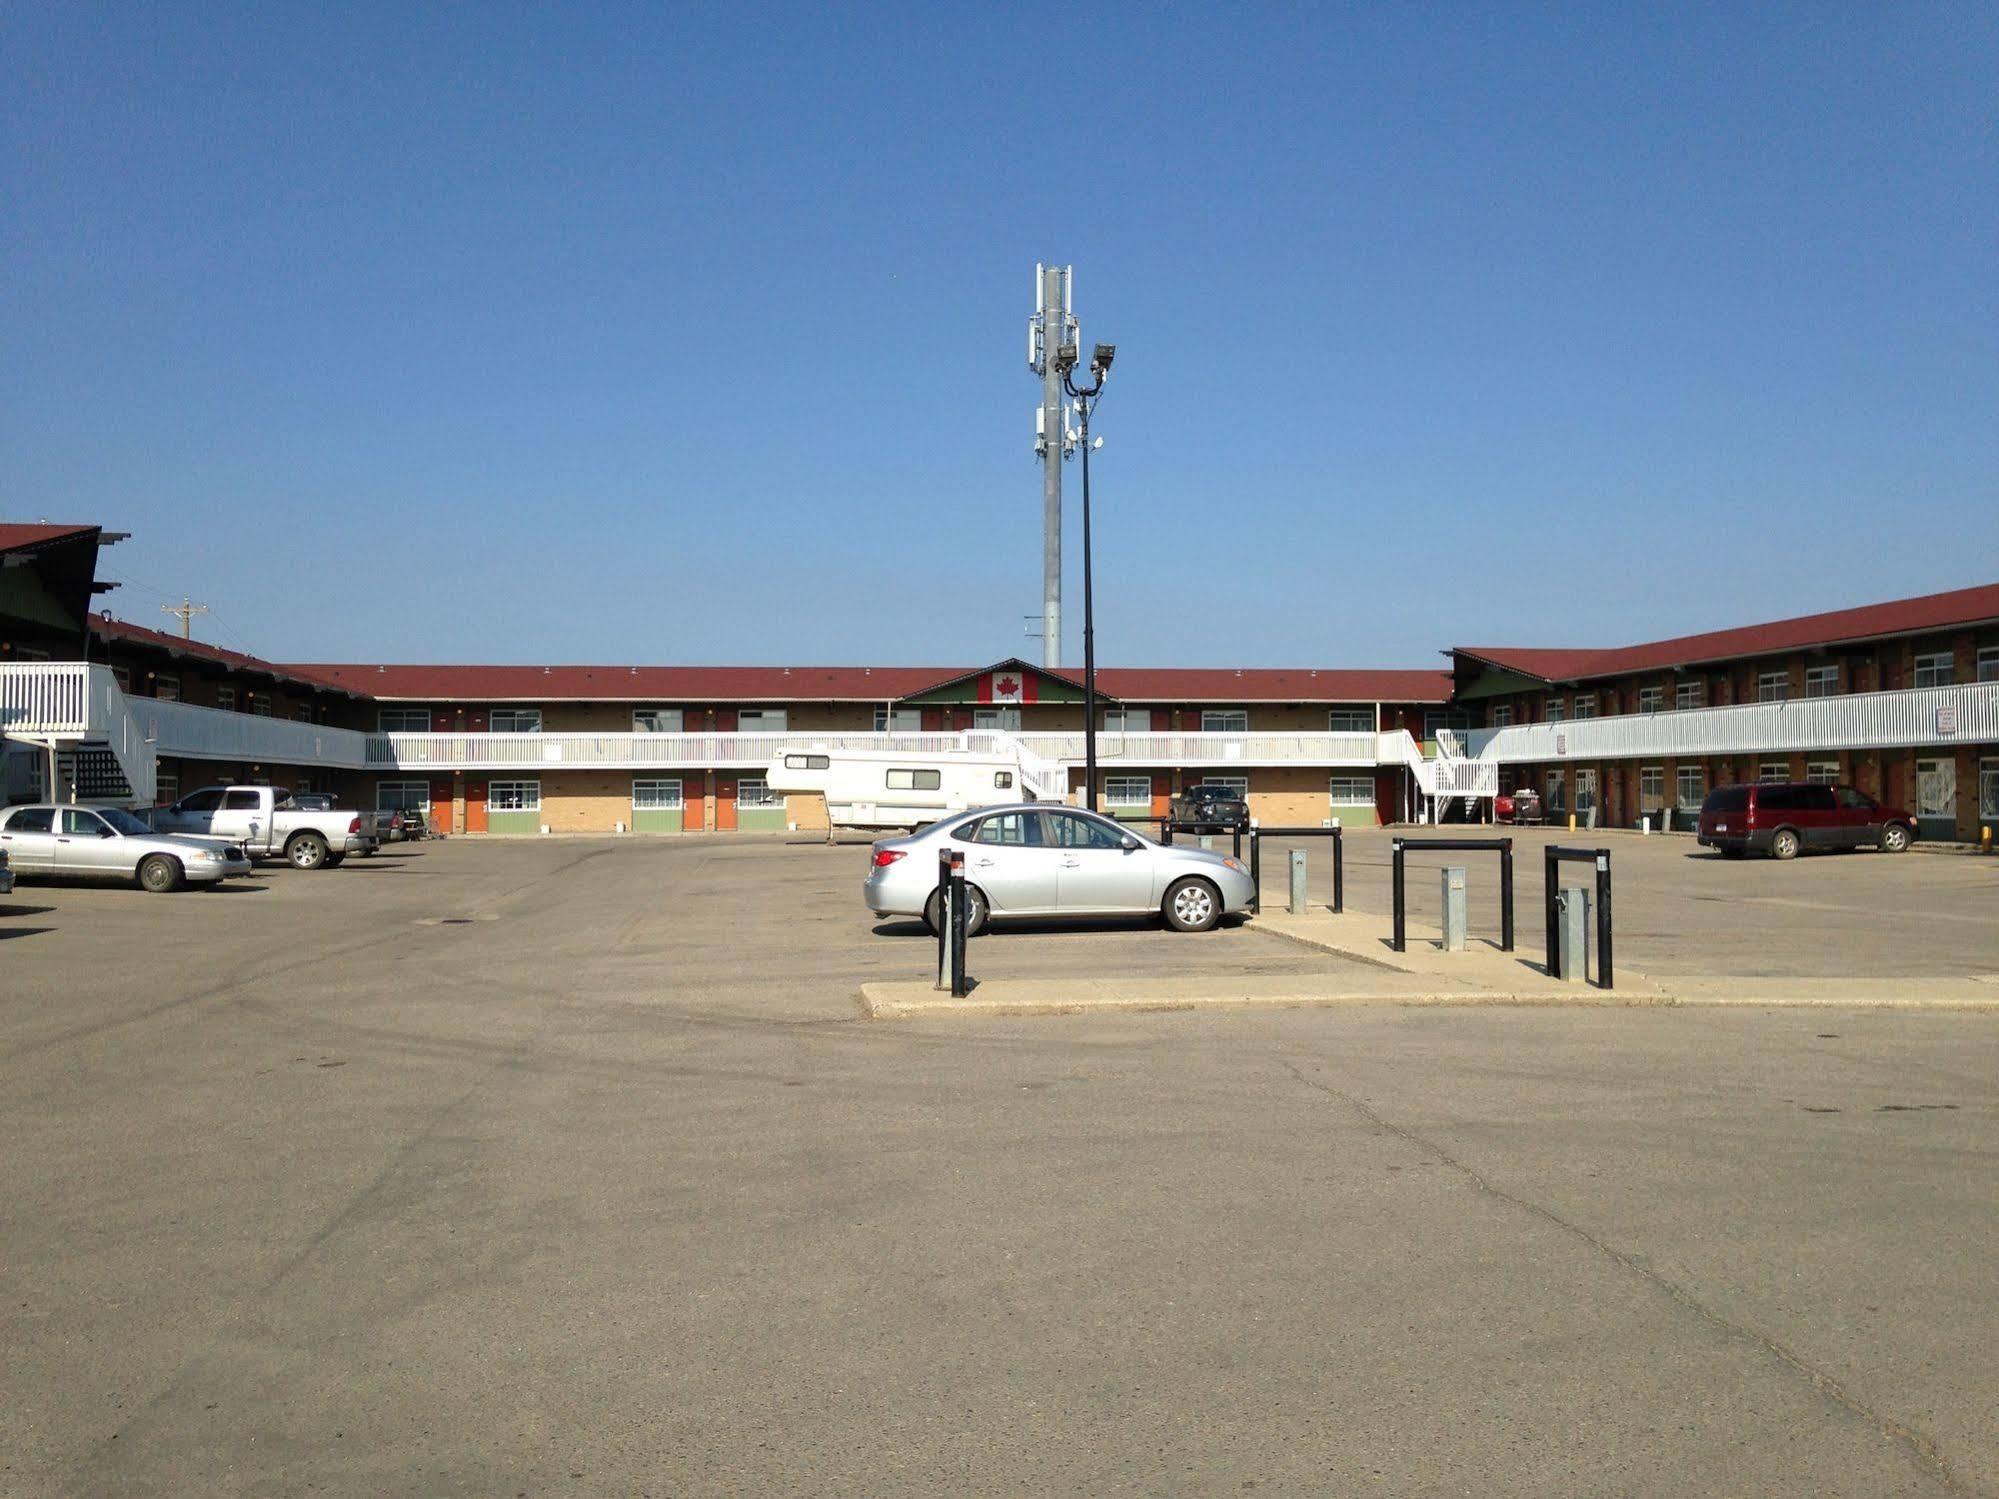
(1364, 969)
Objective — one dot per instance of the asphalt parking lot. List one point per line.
(568, 1167)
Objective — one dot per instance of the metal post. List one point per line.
(1339, 871)
(1089, 630)
(1298, 898)
(944, 918)
(959, 986)
(1506, 895)
(1603, 917)
(1238, 841)
(1401, 932)
(1551, 864)
(1256, 872)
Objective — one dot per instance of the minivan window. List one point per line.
(1727, 799)
(1777, 798)
(1815, 798)
(1857, 801)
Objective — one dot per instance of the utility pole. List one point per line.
(1052, 327)
(187, 611)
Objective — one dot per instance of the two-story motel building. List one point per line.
(1901, 699)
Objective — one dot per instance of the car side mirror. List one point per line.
(1130, 844)
(106, 833)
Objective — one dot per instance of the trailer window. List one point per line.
(1003, 780)
(915, 780)
(807, 762)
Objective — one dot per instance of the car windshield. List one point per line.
(123, 821)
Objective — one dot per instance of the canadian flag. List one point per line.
(1007, 687)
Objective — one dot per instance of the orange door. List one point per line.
(440, 806)
(475, 806)
(725, 803)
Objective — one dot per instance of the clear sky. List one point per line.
(674, 333)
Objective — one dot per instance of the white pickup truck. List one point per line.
(269, 825)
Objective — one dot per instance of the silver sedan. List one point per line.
(108, 843)
(1041, 860)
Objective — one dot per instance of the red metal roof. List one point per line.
(1201, 684)
(107, 628)
(778, 684)
(1935, 611)
(14, 537)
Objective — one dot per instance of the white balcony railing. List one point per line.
(1966, 714)
(197, 733)
(71, 702)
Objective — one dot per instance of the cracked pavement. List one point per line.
(569, 1168)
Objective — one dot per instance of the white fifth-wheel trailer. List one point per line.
(890, 789)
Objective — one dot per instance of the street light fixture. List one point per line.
(1086, 398)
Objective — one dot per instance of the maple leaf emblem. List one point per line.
(1007, 685)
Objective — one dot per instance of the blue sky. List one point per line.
(671, 333)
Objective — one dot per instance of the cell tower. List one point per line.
(1052, 325)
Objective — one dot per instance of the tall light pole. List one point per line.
(1086, 398)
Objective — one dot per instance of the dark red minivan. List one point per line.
(1785, 818)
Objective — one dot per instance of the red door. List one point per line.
(475, 806)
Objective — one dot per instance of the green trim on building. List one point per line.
(1128, 814)
(656, 820)
(513, 822)
(1492, 682)
(1355, 815)
(965, 691)
(762, 819)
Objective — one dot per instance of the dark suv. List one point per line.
(1211, 808)
(1785, 818)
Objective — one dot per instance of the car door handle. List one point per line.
(982, 863)
(1072, 863)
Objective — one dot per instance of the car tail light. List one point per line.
(354, 825)
(887, 856)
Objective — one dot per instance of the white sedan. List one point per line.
(1040, 860)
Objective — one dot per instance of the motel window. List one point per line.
(1002, 780)
(166, 788)
(759, 794)
(1690, 785)
(225, 699)
(1557, 710)
(122, 675)
(1773, 770)
(657, 721)
(1225, 720)
(1585, 705)
(1773, 686)
(30, 653)
(1558, 791)
(1689, 695)
(303, 713)
(1006, 720)
(1988, 663)
(1351, 791)
(808, 762)
(1502, 715)
(514, 720)
(897, 720)
(260, 704)
(656, 796)
(513, 796)
(1127, 720)
(1350, 720)
(1651, 699)
(915, 780)
(1822, 772)
(1821, 681)
(1128, 791)
(1236, 786)
(166, 686)
(402, 796)
(1434, 719)
(1651, 788)
(402, 720)
(1988, 789)
(763, 721)
(1936, 788)
(1935, 669)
